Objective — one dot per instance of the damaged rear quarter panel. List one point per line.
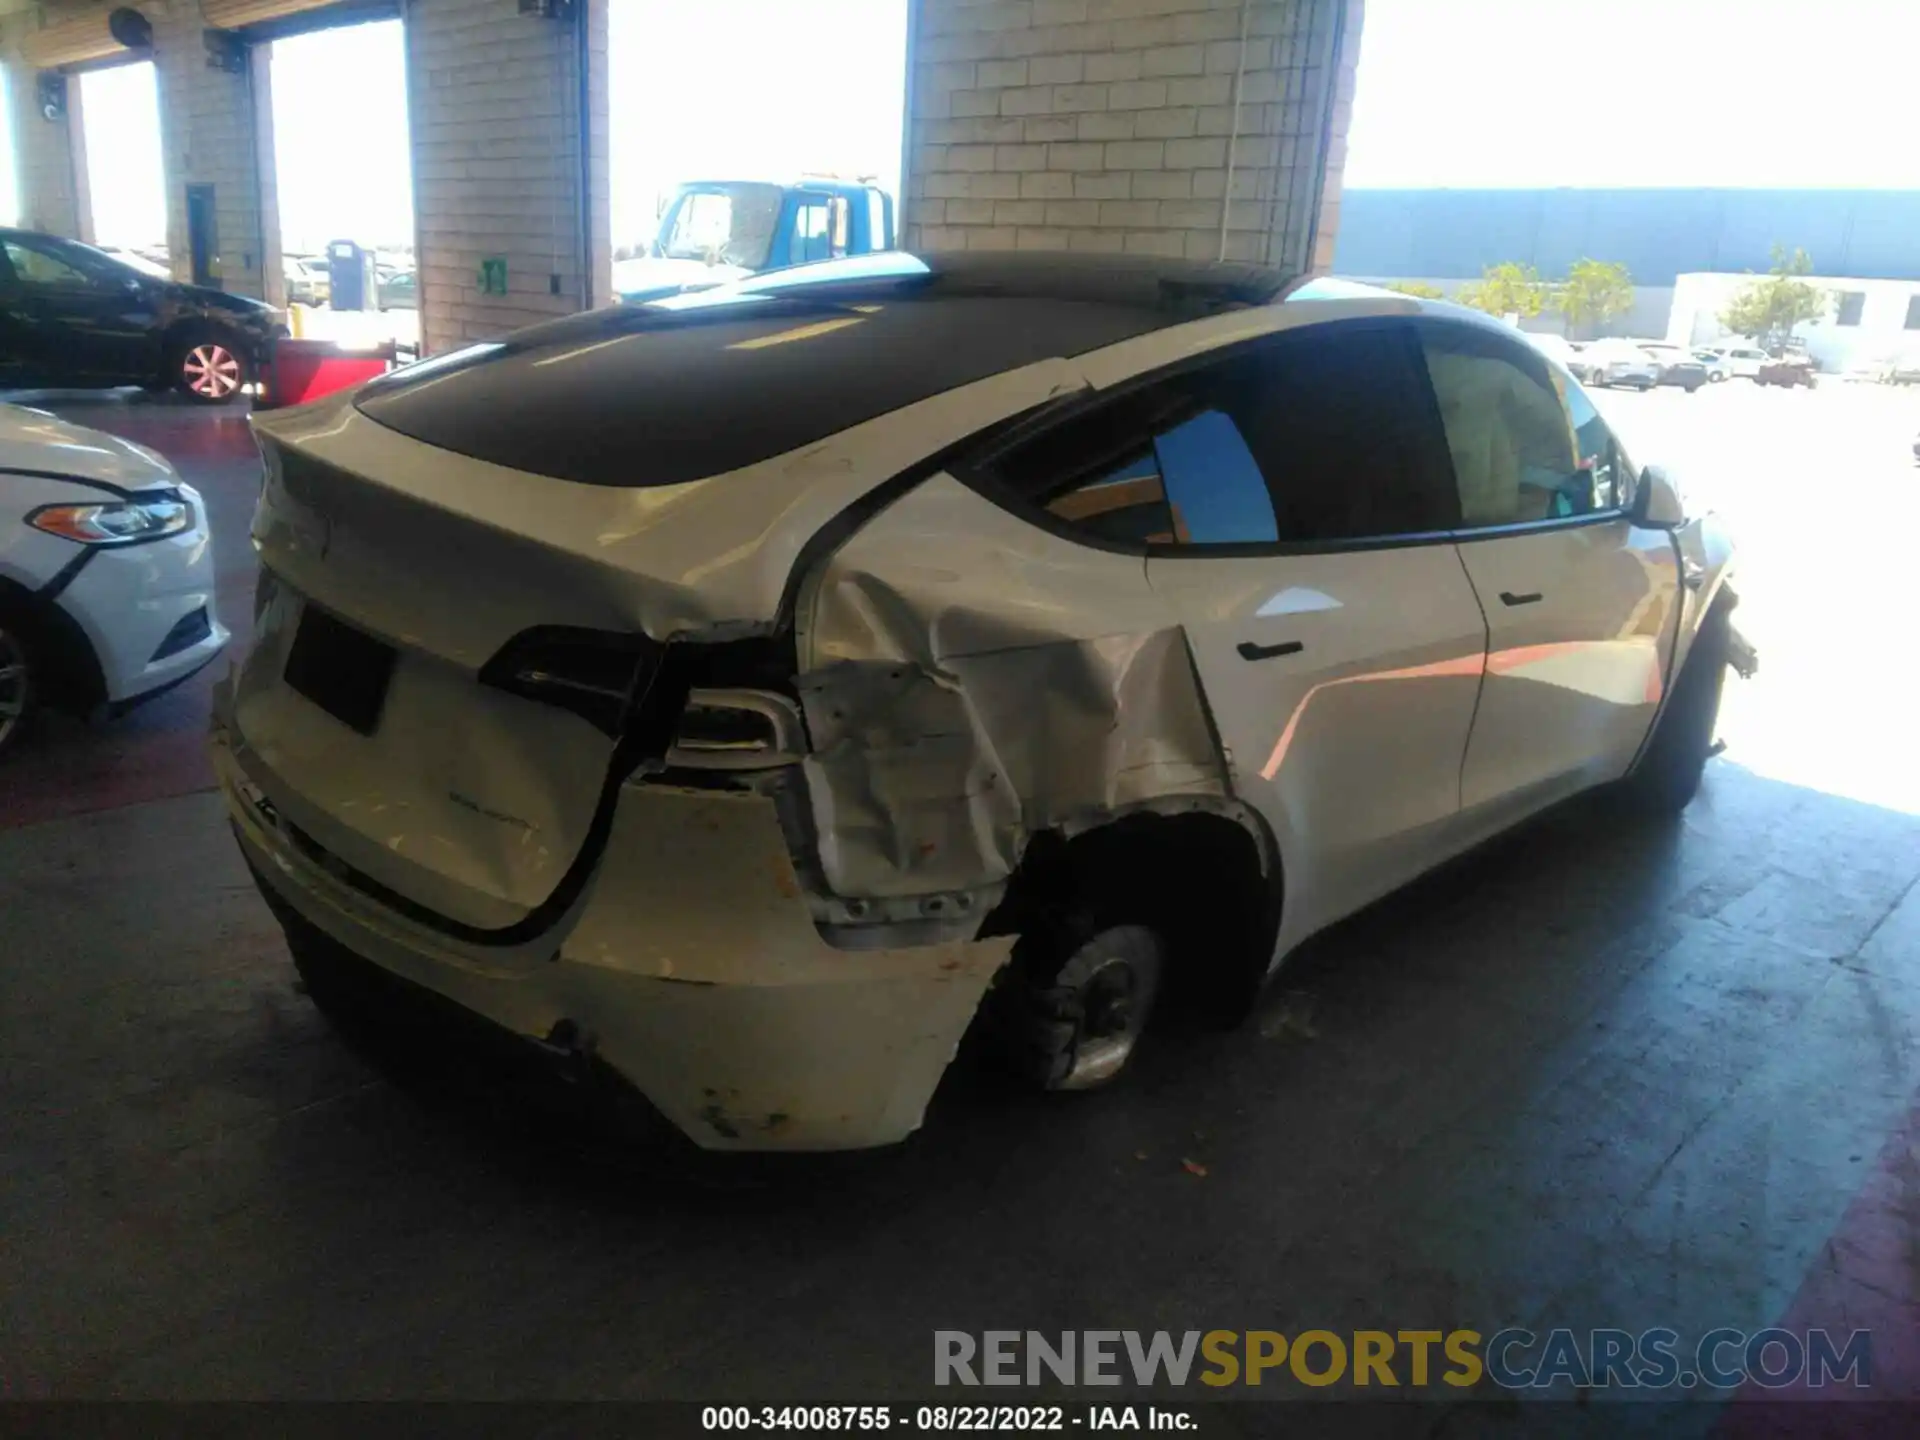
(970, 679)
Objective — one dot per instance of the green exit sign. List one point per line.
(493, 275)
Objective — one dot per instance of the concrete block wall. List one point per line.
(48, 158)
(209, 135)
(1137, 126)
(494, 106)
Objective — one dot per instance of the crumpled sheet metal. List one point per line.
(930, 777)
(970, 679)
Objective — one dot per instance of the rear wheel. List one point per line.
(19, 692)
(1073, 1024)
(1668, 775)
(209, 368)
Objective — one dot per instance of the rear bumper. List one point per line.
(691, 965)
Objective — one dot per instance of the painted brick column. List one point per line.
(209, 136)
(494, 102)
(1164, 127)
(47, 156)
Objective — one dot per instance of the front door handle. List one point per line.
(1507, 597)
(1250, 651)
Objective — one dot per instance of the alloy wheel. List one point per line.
(211, 371)
(15, 686)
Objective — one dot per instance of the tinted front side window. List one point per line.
(1311, 438)
(1516, 455)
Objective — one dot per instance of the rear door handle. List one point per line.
(1507, 597)
(1251, 651)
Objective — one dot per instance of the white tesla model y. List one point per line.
(746, 690)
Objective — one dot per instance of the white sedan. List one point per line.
(752, 691)
(106, 580)
(1619, 362)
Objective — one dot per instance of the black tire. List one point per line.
(1069, 1015)
(209, 366)
(19, 685)
(1668, 775)
(1692, 385)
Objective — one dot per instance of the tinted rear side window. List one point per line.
(1321, 435)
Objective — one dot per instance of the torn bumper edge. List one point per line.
(693, 966)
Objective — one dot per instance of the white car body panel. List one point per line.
(1575, 677)
(125, 599)
(1351, 747)
(791, 964)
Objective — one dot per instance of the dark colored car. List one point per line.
(397, 290)
(72, 316)
(1678, 366)
(1787, 371)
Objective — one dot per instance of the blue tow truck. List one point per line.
(713, 231)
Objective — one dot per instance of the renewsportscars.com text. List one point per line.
(1512, 1359)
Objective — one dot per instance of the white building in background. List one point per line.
(1869, 323)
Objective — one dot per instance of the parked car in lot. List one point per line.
(753, 719)
(1716, 363)
(1742, 360)
(72, 316)
(396, 289)
(1678, 366)
(309, 282)
(106, 576)
(1787, 371)
(1619, 362)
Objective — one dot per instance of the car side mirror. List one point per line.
(1656, 501)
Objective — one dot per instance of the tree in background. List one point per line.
(1767, 309)
(1419, 289)
(1593, 293)
(1508, 288)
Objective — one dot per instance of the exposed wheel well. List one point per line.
(68, 670)
(1198, 878)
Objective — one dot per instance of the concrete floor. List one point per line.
(1594, 1076)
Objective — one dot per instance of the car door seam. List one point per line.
(1480, 690)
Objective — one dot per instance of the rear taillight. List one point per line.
(595, 674)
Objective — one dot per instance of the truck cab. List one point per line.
(713, 231)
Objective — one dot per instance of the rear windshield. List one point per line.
(646, 395)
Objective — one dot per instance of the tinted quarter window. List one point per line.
(33, 266)
(1195, 483)
(1509, 430)
(1309, 438)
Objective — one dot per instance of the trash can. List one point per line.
(351, 277)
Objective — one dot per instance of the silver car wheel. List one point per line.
(211, 371)
(1113, 981)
